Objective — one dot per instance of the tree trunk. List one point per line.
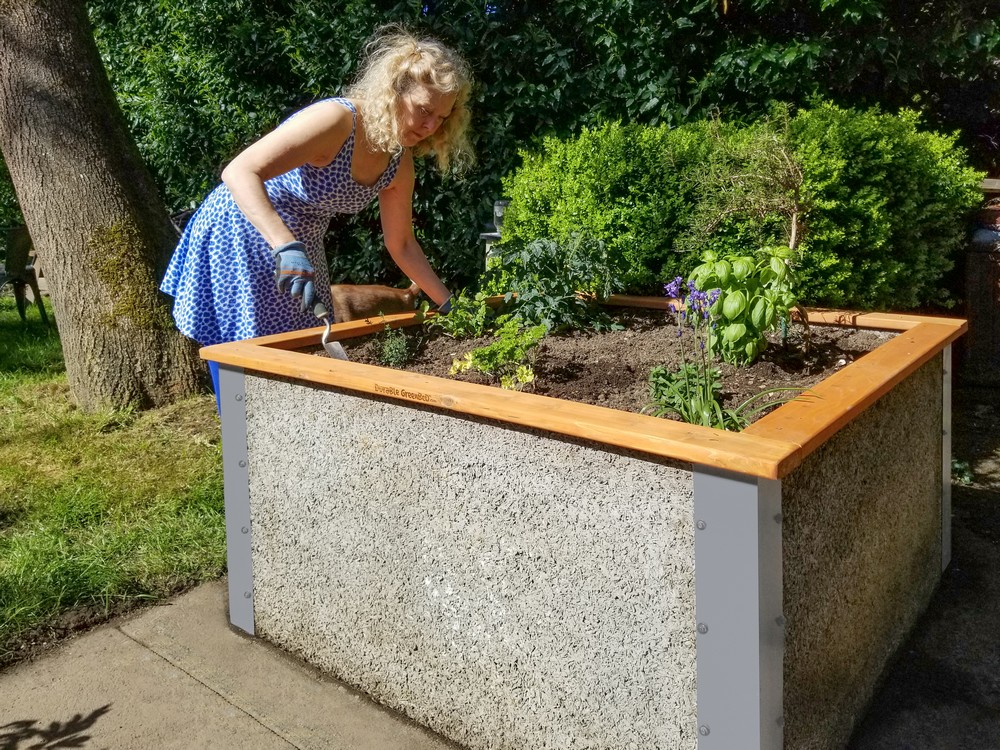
(101, 232)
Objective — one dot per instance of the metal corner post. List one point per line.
(236, 473)
(738, 605)
(946, 457)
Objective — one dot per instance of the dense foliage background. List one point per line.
(199, 79)
(878, 201)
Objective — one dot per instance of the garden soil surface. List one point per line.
(611, 368)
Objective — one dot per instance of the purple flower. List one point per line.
(673, 289)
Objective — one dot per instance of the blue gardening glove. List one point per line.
(445, 307)
(293, 273)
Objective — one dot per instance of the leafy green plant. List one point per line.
(754, 296)
(395, 348)
(509, 359)
(690, 392)
(559, 284)
(469, 316)
(888, 201)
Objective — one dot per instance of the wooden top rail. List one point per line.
(832, 404)
(770, 448)
(990, 186)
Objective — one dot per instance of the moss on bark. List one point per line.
(116, 248)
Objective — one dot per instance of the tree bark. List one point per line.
(101, 231)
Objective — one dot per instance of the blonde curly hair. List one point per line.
(394, 61)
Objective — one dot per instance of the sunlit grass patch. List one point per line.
(97, 511)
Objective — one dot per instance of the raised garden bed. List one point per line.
(513, 570)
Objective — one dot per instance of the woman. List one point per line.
(251, 261)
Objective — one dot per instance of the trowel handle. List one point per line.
(320, 311)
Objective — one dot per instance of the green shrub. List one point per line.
(879, 204)
(199, 79)
(10, 212)
(627, 185)
(888, 207)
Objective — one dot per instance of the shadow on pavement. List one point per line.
(34, 734)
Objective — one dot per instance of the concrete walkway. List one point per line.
(177, 676)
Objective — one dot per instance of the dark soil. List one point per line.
(611, 368)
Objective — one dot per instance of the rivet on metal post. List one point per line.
(780, 621)
(243, 464)
(701, 525)
(778, 518)
(246, 594)
(704, 731)
(245, 530)
(239, 396)
(702, 628)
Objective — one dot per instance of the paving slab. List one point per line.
(177, 676)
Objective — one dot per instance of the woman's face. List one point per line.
(422, 110)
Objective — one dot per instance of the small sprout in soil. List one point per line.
(394, 349)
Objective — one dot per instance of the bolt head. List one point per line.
(246, 594)
(243, 464)
(702, 628)
(239, 396)
(704, 731)
(701, 525)
(245, 530)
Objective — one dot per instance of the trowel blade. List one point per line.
(336, 350)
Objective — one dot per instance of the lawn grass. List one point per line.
(98, 512)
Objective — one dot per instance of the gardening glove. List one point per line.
(445, 307)
(293, 273)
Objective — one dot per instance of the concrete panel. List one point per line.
(862, 555)
(506, 588)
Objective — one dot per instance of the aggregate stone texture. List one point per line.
(862, 555)
(505, 587)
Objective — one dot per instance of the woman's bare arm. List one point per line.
(396, 210)
(314, 136)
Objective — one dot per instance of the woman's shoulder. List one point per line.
(336, 107)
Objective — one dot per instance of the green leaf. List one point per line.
(734, 332)
(758, 314)
(779, 268)
(723, 270)
(734, 305)
(743, 268)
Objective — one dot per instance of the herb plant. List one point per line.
(509, 359)
(693, 391)
(754, 297)
(395, 348)
(469, 316)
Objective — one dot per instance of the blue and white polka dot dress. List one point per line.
(221, 275)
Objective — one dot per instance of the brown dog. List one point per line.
(358, 301)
